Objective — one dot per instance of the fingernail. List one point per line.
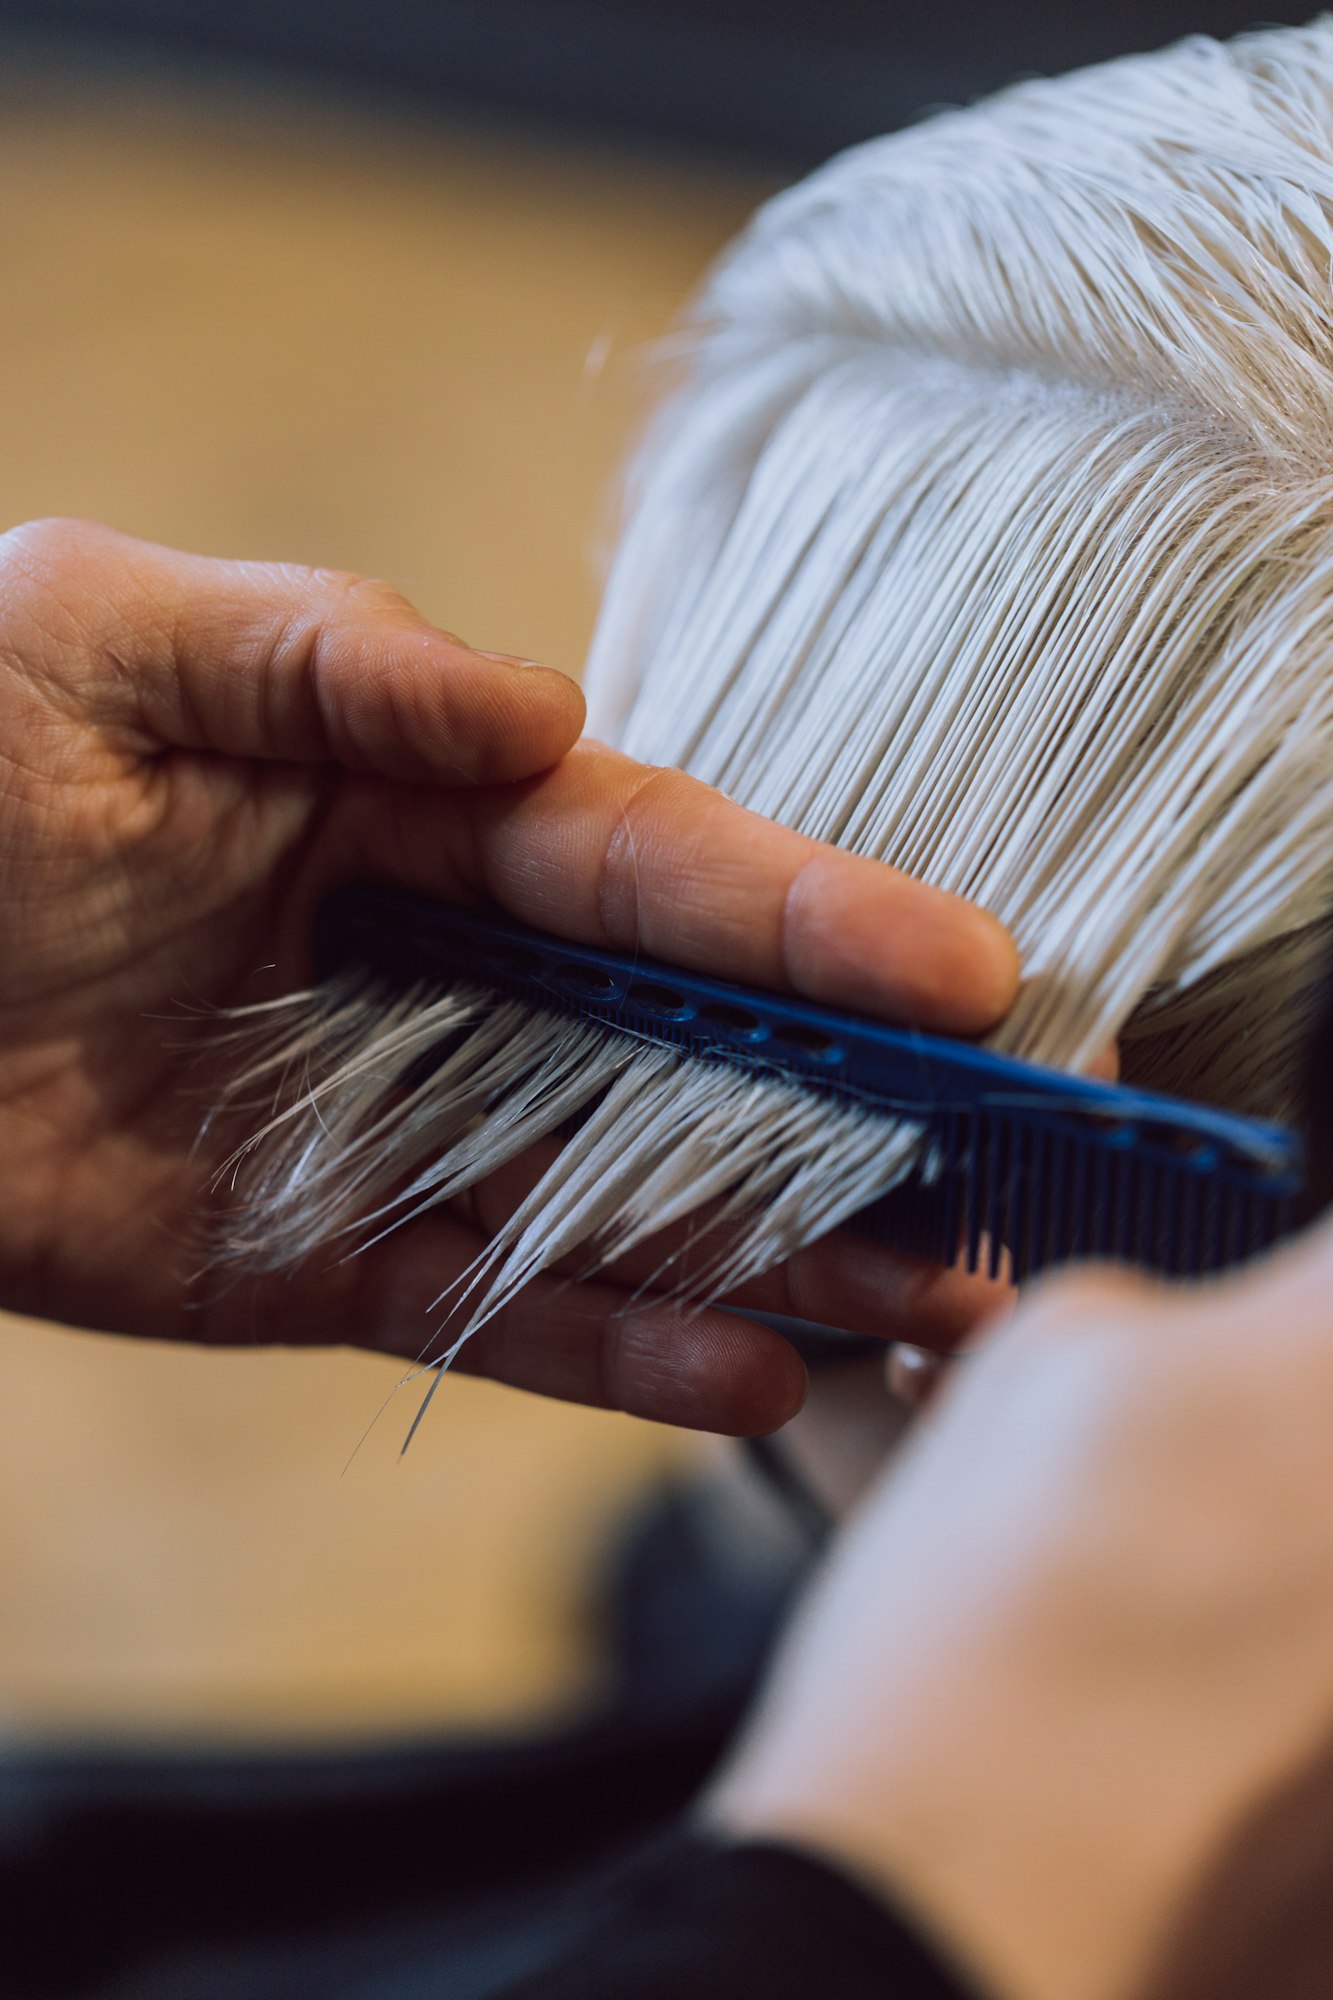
(911, 1373)
(510, 659)
(1005, 967)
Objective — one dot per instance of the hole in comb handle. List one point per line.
(512, 960)
(586, 982)
(808, 1041)
(662, 1001)
(737, 1022)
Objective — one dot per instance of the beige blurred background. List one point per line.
(252, 324)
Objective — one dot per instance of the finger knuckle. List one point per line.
(618, 876)
(51, 544)
(356, 593)
(803, 1293)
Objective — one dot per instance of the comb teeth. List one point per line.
(1048, 1197)
(1025, 1165)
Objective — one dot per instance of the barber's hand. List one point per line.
(1079, 1634)
(192, 753)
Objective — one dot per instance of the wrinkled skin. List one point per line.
(192, 753)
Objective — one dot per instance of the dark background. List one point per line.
(781, 82)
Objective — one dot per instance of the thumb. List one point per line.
(275, 661)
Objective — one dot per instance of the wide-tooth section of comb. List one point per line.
(1024, 1167)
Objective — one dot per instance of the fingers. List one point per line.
(620, 854)
(271, 661)
(859, 1287)
(274, 661)
(851, 1284)
(588, 1343)
(694, 1366)
(843, 1281)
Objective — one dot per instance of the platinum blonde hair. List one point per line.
(989, 532)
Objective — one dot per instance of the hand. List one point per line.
(1079, 1634)
(192, 753)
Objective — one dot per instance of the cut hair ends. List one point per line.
(989, 532)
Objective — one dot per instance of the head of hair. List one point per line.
(987, 530)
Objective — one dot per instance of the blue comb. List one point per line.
(1048, 1166)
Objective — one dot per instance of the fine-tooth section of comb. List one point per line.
(1022, 1166)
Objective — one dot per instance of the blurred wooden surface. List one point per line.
(258, 327)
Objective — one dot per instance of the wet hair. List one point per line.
(988, 530)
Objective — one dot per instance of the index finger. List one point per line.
(628, 856)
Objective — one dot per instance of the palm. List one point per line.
(104, 1074)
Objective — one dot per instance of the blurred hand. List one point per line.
(1079, 1634)
(192, 753)
(837, 1445)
